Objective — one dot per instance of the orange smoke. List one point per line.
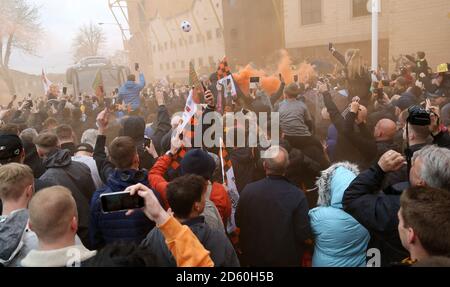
(284, 67)
(306, 73)
(242, 78)
(271, 84)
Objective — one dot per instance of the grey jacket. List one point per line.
(16, 239)
(216, 242)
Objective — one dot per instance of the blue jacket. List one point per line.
(129, 92)
(340, 241)
(105, 229)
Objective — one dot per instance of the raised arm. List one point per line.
(363, 199)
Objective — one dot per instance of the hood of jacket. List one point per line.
(333, 183)
(58, 159)
(119, 180)
(12, 228)
(58, 258)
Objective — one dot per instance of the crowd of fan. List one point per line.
(368, 173)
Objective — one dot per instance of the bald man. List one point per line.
(385, 130)
(272, 215)
(384, 134)
(54, 219)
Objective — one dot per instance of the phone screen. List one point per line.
(147, 142)
(254, 81)
(120, 201)
(65, 91)
(136, 66)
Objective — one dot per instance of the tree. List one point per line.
(88, 42)
(20, 30)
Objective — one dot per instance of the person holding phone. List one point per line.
(129, 93)
(123, 171)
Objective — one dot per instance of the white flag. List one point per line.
(233, 193)
(189, 110)
(45, 82)
(230, 89)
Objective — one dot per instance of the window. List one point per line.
(200, 62)
(174, 65)
(180, 42)
(168, 66)
(311, 11)
(191, 39)
(183, 64)
(218, 33)
(209, 35)
(154, 48)
(161, 66)
(359, 8)
(199, 38)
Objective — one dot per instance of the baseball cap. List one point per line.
(10, 147)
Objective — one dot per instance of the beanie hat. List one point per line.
(198, 162)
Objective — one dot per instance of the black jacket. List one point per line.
(356, 147)
(216, 242)
(33, 160)
(272, 215)
(161, 127)
(244, 165)
(377, 211)
(76, 176)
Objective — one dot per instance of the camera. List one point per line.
(419, 116)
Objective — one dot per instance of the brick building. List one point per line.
(405, 27)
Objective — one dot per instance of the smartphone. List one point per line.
(254, 82)
(147, 142)
(136, 66)
(296, 78)
(120, 201)
(204, 87)
(64, 91)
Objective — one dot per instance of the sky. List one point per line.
(61, 20)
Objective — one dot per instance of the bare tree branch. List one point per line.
(20, 29)
(88, 42)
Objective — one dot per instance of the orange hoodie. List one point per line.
(184, 245)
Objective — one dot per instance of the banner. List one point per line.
(230, 181)
(45, 82)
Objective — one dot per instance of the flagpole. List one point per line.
(221, 160)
